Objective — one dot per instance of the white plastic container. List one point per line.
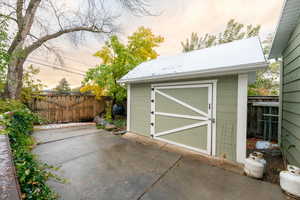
(290, 180)
(255, 165)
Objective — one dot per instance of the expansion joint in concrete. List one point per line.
(41, 143)
(159, 178)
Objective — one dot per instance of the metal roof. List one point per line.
(288, 21)
(239, 56)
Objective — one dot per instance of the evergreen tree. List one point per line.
(63, 86)
(233, 31)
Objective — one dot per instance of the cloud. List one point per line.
(178, 20)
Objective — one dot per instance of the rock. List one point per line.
(119, 132)
(109, 127)
(100, 121)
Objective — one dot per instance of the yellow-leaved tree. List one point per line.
(117, 60)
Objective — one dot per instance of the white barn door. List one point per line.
(182, 115)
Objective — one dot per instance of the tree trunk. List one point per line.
(14, 77)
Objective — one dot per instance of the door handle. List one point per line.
(213, 120)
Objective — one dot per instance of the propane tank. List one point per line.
(290, 180)
(255, 165)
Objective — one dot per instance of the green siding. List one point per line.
(290, 132)
(227, 88)
(226, 113)
(140, 109)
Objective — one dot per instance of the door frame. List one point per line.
(189, 84)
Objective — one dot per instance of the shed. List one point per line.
(196, 100)
(286, 46)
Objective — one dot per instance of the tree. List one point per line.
(30, 19)
(3, 53)
(63, 86)
(117, 60)
(267, 80)
(233, 31)
(32, 87)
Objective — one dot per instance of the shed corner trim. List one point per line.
(241, 131)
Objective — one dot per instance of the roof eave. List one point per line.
(272, 53)
(279, 43)
(198, 74)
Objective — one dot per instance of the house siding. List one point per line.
(226, 115)
(290, 126)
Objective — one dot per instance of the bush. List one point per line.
(10, 105)
(32, 175)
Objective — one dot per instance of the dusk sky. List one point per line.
(178, 19)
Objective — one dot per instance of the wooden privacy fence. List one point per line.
(263, 117)
(61, 108)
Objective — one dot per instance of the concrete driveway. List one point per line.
(102, 166)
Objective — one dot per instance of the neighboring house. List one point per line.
(196, 100)
(286, 45)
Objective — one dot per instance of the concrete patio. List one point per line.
(102, 166)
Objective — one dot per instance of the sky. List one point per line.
(176, 21)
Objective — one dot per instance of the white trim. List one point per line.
(183, 86)
(128, 107)
(280, 103)
(152, 112)
(214, 125)
(241, 134)
(182, 103)
(182, 145)
(184, 83)
(209, 132)
(181, 116)
(202, 73)
(181, 128)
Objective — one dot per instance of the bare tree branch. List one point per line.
(19, 10)
(6, 5)
(138, 7)
(56, 15)
(24, 24)
(44, 39)
(43, 20)
(30, 14)
(8, 16)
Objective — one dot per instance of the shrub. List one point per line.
(32, 174)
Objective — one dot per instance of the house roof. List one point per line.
(287, 23)
(238, 56)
